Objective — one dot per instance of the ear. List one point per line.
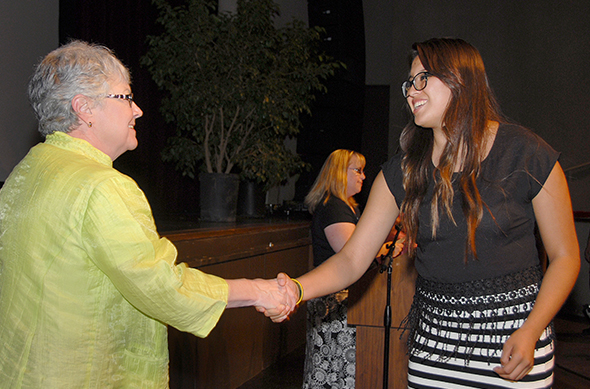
(82, 106)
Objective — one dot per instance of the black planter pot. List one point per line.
(219, 196)
(251, 200)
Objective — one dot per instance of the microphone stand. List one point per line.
(387, 314)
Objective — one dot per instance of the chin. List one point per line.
(133, 144)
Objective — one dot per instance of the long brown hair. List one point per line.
(333, 179)
(465, 125)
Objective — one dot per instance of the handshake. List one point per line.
(279, 297)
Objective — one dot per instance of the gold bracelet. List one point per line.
(300, 290)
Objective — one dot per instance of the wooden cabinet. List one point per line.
(244, 342)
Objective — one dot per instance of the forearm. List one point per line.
(242, 293)
(260, 293)
(337, 273)
(518, 352)
(557, 284)
(348, 265)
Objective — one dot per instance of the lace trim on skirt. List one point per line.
(462, 314)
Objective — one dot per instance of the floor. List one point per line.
(572, 353)
(572, 360)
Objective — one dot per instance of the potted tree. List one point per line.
(236, 86)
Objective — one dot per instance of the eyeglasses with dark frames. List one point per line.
(419, 82)
(128, 97)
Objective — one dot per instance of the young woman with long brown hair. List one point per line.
(470, 188)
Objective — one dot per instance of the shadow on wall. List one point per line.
(578, 172)
(580, 295)
(578, 178)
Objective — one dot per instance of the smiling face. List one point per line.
(355, 176)
(430, 104)
(114, 122)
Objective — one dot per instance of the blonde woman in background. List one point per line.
(331, 344)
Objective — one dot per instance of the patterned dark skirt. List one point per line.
(457, 332)
(330, 352)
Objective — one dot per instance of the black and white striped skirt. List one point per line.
(457, 332)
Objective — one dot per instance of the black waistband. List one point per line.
(489, 286)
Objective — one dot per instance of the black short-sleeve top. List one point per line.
(333, 211)
(512, 174)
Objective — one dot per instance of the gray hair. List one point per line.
(75, 68)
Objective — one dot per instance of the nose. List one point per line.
(412, 91)
(137, 112)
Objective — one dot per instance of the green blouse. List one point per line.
(87, 285)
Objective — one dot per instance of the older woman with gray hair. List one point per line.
(87, 285)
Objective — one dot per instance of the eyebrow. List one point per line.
(419, 71)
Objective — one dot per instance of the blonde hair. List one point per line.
(333, 179)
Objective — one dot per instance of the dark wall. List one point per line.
(535, 52)
(123, 27)
(375, 133)
(336, 121)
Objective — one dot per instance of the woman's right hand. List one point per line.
(517, 355)
(290, 295)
